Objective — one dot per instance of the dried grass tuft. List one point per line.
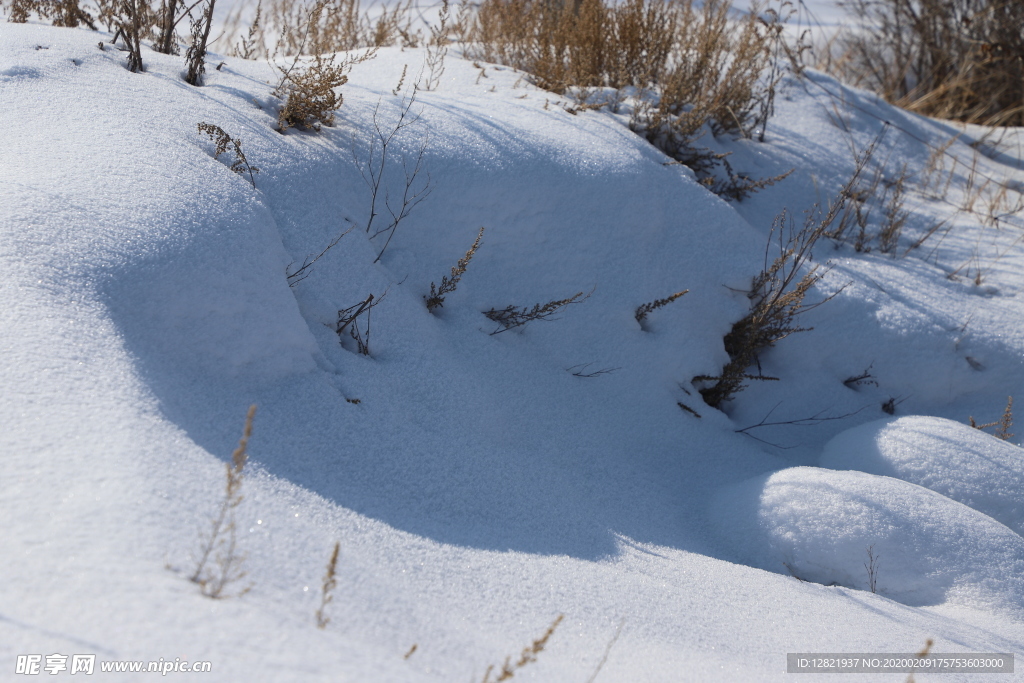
(690, 68)
(952, 59)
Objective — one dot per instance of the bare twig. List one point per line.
(301, 273)
(581, 370)
(348, 320)
(872, 568)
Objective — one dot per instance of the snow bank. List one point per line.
(821, 525)
(958, 461)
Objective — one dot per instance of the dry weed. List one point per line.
(221, 141)
(1002, 425)
(327, 586)
(512, 317)
(777, 297)
(196, 55)
(415, 189)
(651, 306)
(218, 563)
(437, 49)
(526, 657)
(690, 68)
(349, 321)
(871, 566)
(437, 294)
(954, 59)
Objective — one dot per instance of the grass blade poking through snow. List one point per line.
(219, 562)
(526, 657)
(327, 587)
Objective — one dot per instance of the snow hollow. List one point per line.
(481, 481)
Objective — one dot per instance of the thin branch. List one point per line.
(582, 370)
(801, 422)
(294, 279)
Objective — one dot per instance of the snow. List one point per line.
(478, 488)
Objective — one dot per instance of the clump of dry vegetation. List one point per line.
(689, 68)
(340, 25)
(308, 86)
(777, 299)
(879, 195)
(195, 58)
(66, 13)
(953, 59)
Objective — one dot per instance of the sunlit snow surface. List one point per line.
(478, 488)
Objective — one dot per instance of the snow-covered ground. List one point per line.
(478, 488)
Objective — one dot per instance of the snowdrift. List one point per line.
(873, 533)
(963, 464)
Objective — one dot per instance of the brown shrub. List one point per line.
(689, 68)
(954, 59)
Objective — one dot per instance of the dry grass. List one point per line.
(218, 562)
(688, 68)
(327, 587)
(954, 59)
(526, 657)
(341, 25)
(923, 653)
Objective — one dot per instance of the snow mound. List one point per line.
(948, 457)
(819, 525)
